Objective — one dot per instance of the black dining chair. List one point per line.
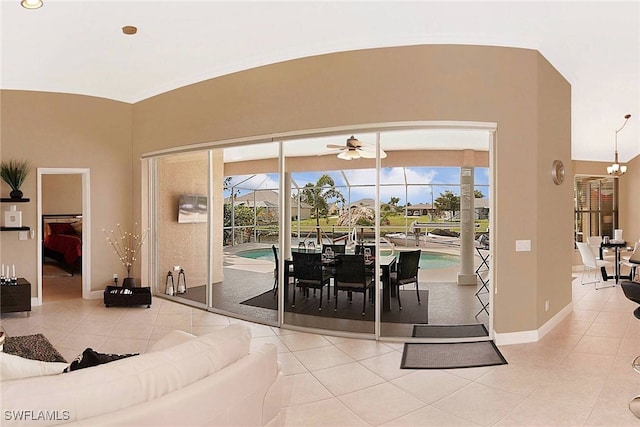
(406, 272)
(360, 249)
(351, 276)
(308, 273)
(337, 249)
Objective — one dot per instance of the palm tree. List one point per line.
(318, 196)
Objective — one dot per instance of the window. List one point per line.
(596, 206)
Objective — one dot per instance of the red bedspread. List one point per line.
(69, 246)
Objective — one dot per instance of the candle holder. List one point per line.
(182, 283)
(169, 285)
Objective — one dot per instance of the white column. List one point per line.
(286, 227)
(467, 275)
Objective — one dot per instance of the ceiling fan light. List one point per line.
(349, 155)
(31, 4)
(609, 170)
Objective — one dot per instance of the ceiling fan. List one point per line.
(354, 149)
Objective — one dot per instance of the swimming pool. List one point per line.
(428, 260)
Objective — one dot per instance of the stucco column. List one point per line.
(217, 213)
(467, 275)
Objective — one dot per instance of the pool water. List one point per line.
(428, 260)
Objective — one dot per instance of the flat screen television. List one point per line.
(192, 209)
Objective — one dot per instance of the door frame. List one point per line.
(86, 225)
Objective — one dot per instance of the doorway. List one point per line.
(63, 233)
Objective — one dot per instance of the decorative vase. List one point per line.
(129, 282)
(16, 194)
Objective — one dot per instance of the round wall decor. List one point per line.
(557, 172)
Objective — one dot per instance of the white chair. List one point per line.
(590, 261)
(632, 261)
(594, 244)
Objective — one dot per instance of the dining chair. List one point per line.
(594, 243)
(309, 274)
(276, 270)
(361, 248)
(336, 248)
(406, 272)
(351, 276)
(632, 261)
(590, 262)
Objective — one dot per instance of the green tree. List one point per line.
(478, 194)
(319, 195)
(447, 202)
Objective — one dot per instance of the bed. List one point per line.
(62, 240)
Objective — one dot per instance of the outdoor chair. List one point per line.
(406, 272)
(351, 276)
(309, 274)
(337, 249)
(360, 249)
(276, 270)
(590, 262)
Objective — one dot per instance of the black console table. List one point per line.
(127, 297)
(16, 298)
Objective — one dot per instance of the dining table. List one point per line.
(387, 264)
(617, 246)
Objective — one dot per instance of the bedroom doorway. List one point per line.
(63, 233)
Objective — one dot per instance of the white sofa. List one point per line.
(209, 380)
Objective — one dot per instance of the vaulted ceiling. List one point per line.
(78, 46)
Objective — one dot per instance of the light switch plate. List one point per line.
(523, 245)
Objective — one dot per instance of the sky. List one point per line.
(421, 180)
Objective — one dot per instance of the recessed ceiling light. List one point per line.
(129, 30)
(31, 4)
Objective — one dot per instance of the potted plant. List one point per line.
(14, 172)
(127, 247)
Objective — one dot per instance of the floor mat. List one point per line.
(450, 331)
(451, 355)
(35, 347)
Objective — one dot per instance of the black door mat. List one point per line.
(451, 355)
(450, 331)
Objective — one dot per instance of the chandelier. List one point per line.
(616, 169)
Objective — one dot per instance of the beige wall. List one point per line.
(182, 244)
(62, 194)
(69, 131)
(515, 88)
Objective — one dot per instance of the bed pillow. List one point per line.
(77, 226)
(13, 367)
(62, 228)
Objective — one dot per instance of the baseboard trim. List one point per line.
(536, 335)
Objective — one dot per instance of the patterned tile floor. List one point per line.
(578, 375)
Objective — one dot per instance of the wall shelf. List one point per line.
(15, 228)
(10, 200)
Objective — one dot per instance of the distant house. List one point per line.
(419, 209)
(269, 200)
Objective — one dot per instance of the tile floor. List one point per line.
(579, 374)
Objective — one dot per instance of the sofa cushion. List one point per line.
(13, 367)
(117, 385)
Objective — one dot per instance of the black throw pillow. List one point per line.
(90, 358)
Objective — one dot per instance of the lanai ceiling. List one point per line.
(78, 47)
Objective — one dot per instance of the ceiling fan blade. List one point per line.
(336, 146)
(369, 148)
